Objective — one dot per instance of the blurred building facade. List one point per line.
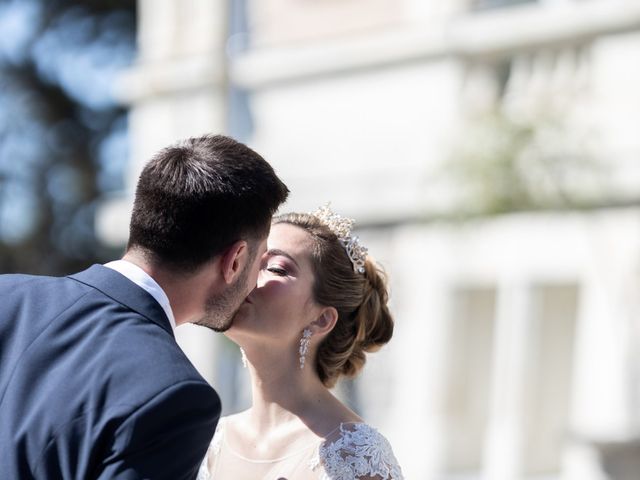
(516, 354)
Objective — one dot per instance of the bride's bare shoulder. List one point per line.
(336, 413)
(234, 421)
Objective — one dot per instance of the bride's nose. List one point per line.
(261, 278)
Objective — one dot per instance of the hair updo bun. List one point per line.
(364, 321)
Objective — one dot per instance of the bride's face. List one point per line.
(281, 305)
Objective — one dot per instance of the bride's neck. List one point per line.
(282, 392)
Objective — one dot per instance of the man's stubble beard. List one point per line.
(220, 310)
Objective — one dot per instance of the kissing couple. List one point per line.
(94, 386)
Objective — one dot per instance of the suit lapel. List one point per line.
(124, 291)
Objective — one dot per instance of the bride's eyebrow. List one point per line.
(277, 252)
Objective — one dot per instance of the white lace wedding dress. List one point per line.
(351, 452)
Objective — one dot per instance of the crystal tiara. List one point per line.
(341, 227)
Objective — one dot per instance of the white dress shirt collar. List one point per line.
(144, 281)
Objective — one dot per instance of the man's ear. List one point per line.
(234, 260)
(325, 322)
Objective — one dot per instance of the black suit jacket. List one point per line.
(93, 384)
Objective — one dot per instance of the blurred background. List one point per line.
(488, 149)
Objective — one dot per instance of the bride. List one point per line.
(320, 304)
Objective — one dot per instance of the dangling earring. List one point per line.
(304, 345)
(244, 357)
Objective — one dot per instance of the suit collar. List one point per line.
(124, 291)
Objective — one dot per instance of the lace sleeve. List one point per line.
(360, 453)
(212, 452)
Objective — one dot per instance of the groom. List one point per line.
(92, 382)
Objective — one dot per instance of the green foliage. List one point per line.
(504, 165)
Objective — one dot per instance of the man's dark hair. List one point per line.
(197, 197)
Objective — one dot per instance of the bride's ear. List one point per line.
(325, 321)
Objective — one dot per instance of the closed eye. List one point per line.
(277, 270)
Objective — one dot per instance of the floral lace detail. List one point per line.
(359, 452)
(214, 447)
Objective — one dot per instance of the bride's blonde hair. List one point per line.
(364, 321)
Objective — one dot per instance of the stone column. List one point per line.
(505, 437)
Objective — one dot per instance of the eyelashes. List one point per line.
(276, 270)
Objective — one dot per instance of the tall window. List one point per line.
(550, 366)
(471, 333)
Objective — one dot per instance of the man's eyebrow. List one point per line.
(277, 252)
